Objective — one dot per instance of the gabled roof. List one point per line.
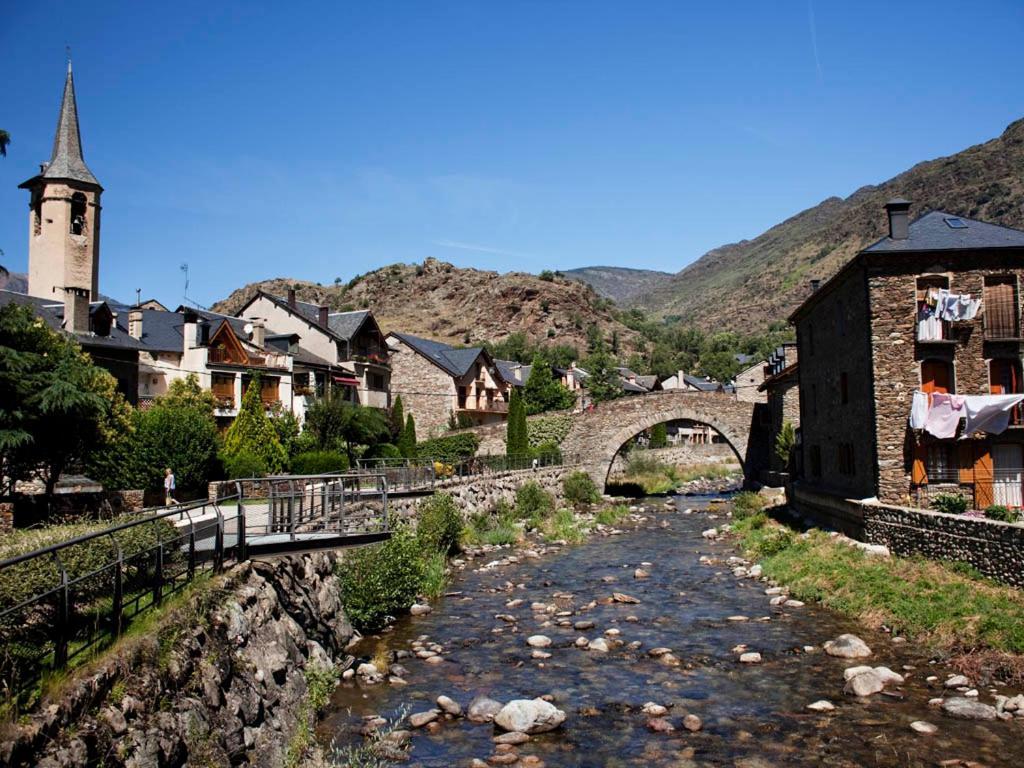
(345, 325)
(648, 382)
(786, 374)
(701, 384)
(53, 315)
(933, 232)
(66, 160)
(342, 325)
(455, 362)
(508, 368)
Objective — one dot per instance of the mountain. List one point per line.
(460, 306)
(620, 284)
(745, 286)
(13, 281)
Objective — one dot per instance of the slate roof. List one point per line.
(629, 386)
(66, 160)
(931, 232)
(701, 384)
(507, 369)
(648, 382)
(343, 325)
(53, 315)
(455, 362)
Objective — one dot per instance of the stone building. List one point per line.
(747, 383)
(441, 384)
(781, 386)
(869, 339)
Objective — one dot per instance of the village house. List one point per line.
(886, 342)
(747, 383)
(687, 382)
(442, 385)
(782, 390)
(337, 351)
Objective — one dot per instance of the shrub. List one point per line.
(245, 463)
(253, 432)
(547, 276)
(773, 540)
(318, 463)
(642, 463)
(612, 515)
(563, 526)
(580, 489)
(746, 504)
(382, 451)
(381, 581)
(496, 527)
(450, 449)
(440, 524)
(548, 454)
(533, 502)
(950, 503)
(999, 512)
(180, 436)
(659, 435)
(435, 575)
(548, 429)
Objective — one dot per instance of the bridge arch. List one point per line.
(596, 437)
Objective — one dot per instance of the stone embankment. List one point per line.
(222, 680)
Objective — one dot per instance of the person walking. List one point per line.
(169, 487)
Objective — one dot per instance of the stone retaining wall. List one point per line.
(996, 549)
(682, 454)
(216, 684)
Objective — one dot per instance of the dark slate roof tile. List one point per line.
(930, 232)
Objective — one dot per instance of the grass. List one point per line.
(320, 682)
(563, 526)
(435, 575)
(495, 528)
(376, 752)
(949, 607)
(655, 476)
(612, 515)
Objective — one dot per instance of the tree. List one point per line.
(407, 439)
(517, 440)
(179, 433)
(53, 401)
(785, 443)
(397, 418)
(187, 393)
(604, 382)
(252, 433)
(336, 424)
(659, 435)
(543, 392)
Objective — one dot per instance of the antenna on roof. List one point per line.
(188, 300)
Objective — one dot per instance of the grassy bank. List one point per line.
(949, 607)
(652, 476)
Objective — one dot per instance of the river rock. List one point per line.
(538, 641)
(692, 723)
(483, 709)
(968, 709)
(888, 676)
(750, 657)
(583, 624)
(529, 716)
(922, 727)
(660, 725)
(449, 706)
(420, 609)
(851, 672)
(640, 573)
(822, 706)
(598, 644)
(654, 710)
(367, 670)
(512, 737)
(710, 533)
(620, 597)
(420, 719)
(848, 647)
(864, 684)
(958, 681)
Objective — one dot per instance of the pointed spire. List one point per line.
(67, 162)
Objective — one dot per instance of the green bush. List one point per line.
(950, 503)
(496, 527)
(548, 454)
(245, 463)
(381, 581)
(533, 502)
(440, 524)
(382, 451)
(578, 488)
(252, 432)
(659, 435)
(746, 504)
(773, 540)
(318, 463)
(999, 512)
(449, 449)
(182, 437)
(612, 515)
(548, 429)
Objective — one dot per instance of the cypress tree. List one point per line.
(407, 440)
(543, 392)
(659, 435)
(517, 441)
(397, 418)
(252, 433)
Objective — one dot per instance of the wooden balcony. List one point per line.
(470, 405)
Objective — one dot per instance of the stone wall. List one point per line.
(427, 392)
(34, 509)
(220, 680)
(996, 549)
(682, 454)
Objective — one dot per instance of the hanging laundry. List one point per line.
(944, 415)
(989, 413)
(956, 306)
(919, 410)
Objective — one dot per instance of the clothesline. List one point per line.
(939, 414)
(938, 306)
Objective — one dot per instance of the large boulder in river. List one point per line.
(968, 709)
(483, 709)
(529, 716)
(847, 647)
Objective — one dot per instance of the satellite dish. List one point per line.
(247, 328)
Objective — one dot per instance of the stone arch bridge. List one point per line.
(595, 436)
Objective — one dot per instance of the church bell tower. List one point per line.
(64, 216)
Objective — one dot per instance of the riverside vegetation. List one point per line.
(647, 475)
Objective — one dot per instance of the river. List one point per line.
(753, 715)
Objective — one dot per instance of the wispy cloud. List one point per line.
(477, 248)
(814, 41)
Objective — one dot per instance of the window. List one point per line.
(937, 376)
(844, 388)
(815, 460)
(78, 214)
(929, 326)
(941, 463)
(845, 459)
(1004, 378)
(37, 213)
(377, 382)
(1002, 316)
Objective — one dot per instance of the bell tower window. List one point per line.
(37, 213)
(78, 214)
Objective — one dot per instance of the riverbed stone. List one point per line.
(538, 641)
(864, 684)
(924, 727)
(420, 719)
(750, 657)
(692, 723)
(968, 709)
(482, 709)
(957, 681)
(654, 710)
(848, 647)
(449, 706)
(512, 737)
(598, 644)
(822, 706)
(529, 716)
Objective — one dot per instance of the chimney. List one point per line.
(76, 310)
(135, 323)
(899, 218)
(291, 298)
(815, 285)
(323, 316)
(190, 330)
(259, 332)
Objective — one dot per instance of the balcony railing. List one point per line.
(495, 406)
(1002, 320)
(223, 402)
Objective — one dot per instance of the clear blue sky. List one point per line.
(324, 140)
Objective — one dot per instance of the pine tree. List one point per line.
(252, 433)
(543, 392)
(517, 441)
(604, 382)
(407, 439)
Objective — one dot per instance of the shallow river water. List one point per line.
(753, 715)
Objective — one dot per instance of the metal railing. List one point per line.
(70, 599)
(982, 487)
(403, 475)
(490, 465)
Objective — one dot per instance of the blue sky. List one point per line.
(322, 140)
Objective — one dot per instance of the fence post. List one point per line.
(384, 501)
(117, 601)
(243, 547)
(191, 546)
(158, 585)
(291, 509)
(218, 542)
(60, 646)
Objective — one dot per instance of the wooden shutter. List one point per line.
(965, 457)
(919, 470)
(983, 475)
(1000, 309)
(936, 376)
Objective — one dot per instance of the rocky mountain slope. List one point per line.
(746, 285)
(620, 284)
(13, 281)
(460, 306)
